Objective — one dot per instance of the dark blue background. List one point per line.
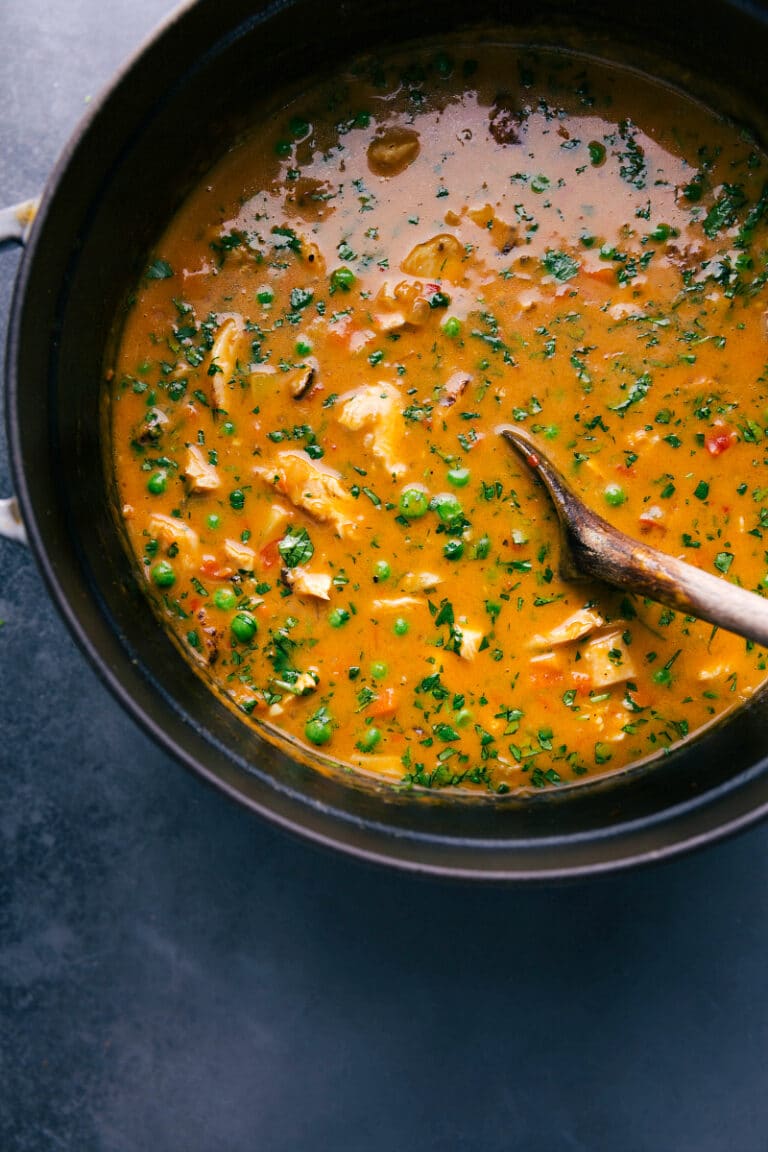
(174, 974)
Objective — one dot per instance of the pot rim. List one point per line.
(363, 839)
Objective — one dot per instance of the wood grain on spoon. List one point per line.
(592, 547)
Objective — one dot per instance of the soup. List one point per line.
(312, 370)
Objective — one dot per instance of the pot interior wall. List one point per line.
(166, 121)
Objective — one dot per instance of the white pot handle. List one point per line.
(15, 223)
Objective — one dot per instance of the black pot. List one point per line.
(152, 135)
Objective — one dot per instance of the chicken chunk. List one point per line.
(243, 556)
(201, 476)
(314, 489)
(574, 627)
(170, 530)
(378, 408)
(471, 638)
(608, 660)
(224, 358)
(317, 584)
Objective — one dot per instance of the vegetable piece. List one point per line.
(414, 502)
(163, 574)
(393, 150)
(296, 548)
(454, 388)
(441, 258)
(244, 627)
(608, 660)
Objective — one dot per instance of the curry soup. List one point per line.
(311, 372)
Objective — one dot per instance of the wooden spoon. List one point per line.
(591, 547)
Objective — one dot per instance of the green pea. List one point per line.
(237, 499)
(614, 495)
(283, 148)
(459, 477)
(463, 717)
(453, 550)
(228, 428)
(157, 483)
(225, 599)
(378, 669)
(400, 627)
(303, 348)
(338, 617)
(381, 571)
(318, 729)
(413, 503)
(342, 279)
(368, 741)
(243, 626)
(452, 327)
(447, 507)
(265, 295)
(298, 127)
(163, 575)
(213, 520)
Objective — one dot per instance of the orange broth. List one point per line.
(308, 381)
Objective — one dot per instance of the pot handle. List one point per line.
(15, 223)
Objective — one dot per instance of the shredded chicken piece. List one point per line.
(171, 530)
(201, 476)
(224, 356)
(471, 639)
(315, 490)
(576, 626)
(317, 584)
(454, 387)
(241, 554)
(376, 406)
(608, 660)
(420, 581)
(398, 604)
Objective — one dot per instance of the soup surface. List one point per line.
(313, 367)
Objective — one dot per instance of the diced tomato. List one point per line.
(213, 568)
(269, 553)
(625, 470)
(386, 705)
(545, 675)
(720, 441)
(582, 683)
(604, 273)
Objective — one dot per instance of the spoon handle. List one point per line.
(617, 559)
(593, 547)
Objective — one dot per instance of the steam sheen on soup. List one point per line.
(311, 371)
